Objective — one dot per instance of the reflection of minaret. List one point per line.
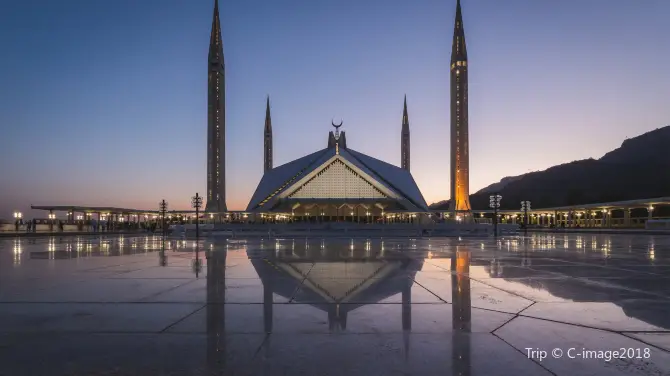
(267, 139)
(216, 120)
(461, 308)
(404, 139)
(407, 313)
(337, 318)
(216, 315)
(460, 165)
(267, 302)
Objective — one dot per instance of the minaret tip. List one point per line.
(458, 49)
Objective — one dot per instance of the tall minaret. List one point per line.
(404, 139)
(460, 165)
(216, 120)
(267, 139)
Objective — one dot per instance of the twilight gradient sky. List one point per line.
(104, 102)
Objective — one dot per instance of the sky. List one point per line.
(104, 103)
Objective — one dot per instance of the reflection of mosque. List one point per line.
(336, 280)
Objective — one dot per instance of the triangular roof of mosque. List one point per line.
(392, 177)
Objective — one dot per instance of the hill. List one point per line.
(640, 168)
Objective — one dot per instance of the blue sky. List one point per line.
(104, 102)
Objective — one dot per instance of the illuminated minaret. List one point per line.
(216, 120)
(404, 139)
(460, 164)
(267, 139)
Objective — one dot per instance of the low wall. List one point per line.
(41, 228)
(344, 229)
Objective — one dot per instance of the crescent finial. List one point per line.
(337, 125)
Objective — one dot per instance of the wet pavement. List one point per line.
(538, 305)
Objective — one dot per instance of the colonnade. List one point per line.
(575, 218)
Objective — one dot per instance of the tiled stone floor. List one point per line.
(121, 306)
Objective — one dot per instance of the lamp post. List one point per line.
(525, 208)
(163, 206)
(196, 202)
(494, 203)
(18, 220)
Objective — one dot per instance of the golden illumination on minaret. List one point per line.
(460, 161)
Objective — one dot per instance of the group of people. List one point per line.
(31, 225)
(88, 225)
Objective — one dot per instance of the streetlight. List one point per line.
(525, 208)
(196, 202)
(51, 216)
(494, 203)
(18, 221)
(163, 206)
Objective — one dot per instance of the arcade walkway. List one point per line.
(122, 306)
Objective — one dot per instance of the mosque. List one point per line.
(337, 183)
(332, 184)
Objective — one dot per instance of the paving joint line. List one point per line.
(525, 355)
(182, 319)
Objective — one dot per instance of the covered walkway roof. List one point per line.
(628, 204)
(113, 210)
(92, 209)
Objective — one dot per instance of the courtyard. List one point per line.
(540, 304)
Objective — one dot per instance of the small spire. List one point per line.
(267, 138)
(405, 117)
(268, 119)
(404, 139)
